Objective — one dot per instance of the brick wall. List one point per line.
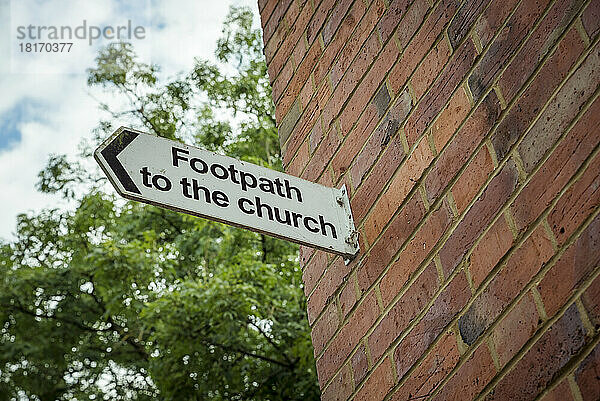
(467, 132)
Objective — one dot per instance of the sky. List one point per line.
(46, 106)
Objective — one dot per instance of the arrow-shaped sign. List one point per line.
(180, 177)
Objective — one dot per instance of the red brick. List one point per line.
(354, 141)
(279, 85)
(403, 182)
(470, 378)
(390, 242)
(320, 158)
(368, 86)
(474, 176)
(419, 45)
(451, 300)
(587, 376)
(276, 17)
(591, 301)
(348, 337)
(489, 250)
(378, 384)
(348, 297)
(548, 181)
(265, 13)
(414, 253)
(313, 271)
(380, 175)
(580, 200)
(405, 310)
(334, 45)
(561, 111)
(465, 142)
(380, 138)
(333, 277)
(537, 93)
(316, 22)
(300, 161)
(335, 19)
(562, 392)
(537, 46)
(492, 19)
(523, 264)
(434, 368)
(504, 46)
(440, 92)
(543, 361)
(390, 20)
(591, 18)
(340, 387)
(461, 24)
(360, 365)
(515, 329)
(478, 217)
(355, 43)
(324, 328)
(578, 261)
(430, 68)
(450, 118)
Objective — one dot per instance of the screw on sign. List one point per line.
(184, 178)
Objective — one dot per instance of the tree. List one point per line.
(119, 300)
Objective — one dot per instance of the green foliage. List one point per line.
(119, 300)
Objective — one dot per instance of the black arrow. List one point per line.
(110, 153)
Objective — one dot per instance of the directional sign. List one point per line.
(187, 179)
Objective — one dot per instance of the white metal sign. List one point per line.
(161, 172)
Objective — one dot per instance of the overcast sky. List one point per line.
(45, 104)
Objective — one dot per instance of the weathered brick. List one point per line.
(434, 368)
(347, 338)
(524, 263)
(324, 328)
(474, 176)
(470, 378)
(405, 310)
(289, 121)
(450, 118)
(313, 271)
(335, 19)
(417, 47)
(382, 100)
(492, 19)
(320, 158)
(578, 261)
(402, 183)
(478, 217)
(461, 24)
(414, 253)
(537, 93)
(465, 142)
(430, 68)
(515, 329)
(538, 366)
(317, 20)
(580, 200)
(537, 46)
(587, 376)
(274, 41)
(335, 275)
(591, 301)
(360, 365)
(440, 92)
(355, 43)
(561, 111)
(504, 46)
(562, 392)
(591, 19)
(451, 300)
(347, 297)
(378, 384)
(394, 14)
(389, 243)
(379, 176)
(554, 174)
(340, 387)
(276, 17)
(487, 253)
(300, 161)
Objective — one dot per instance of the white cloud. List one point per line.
(188, 29)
